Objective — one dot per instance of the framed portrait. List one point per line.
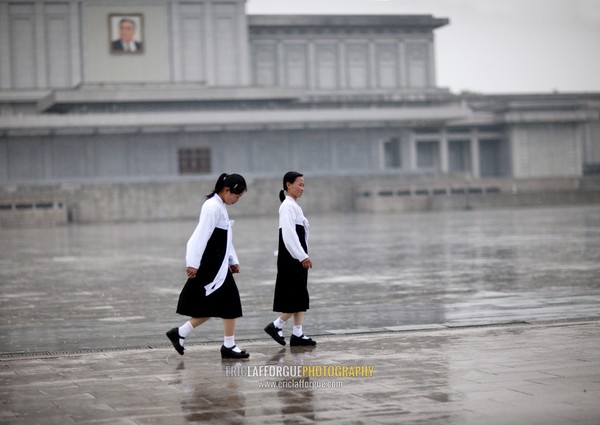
(126, 33)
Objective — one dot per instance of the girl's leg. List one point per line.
(189, 326)
(279, 323)
(298, 337)
(275, 328)
(285, 316)
(229, 327)
(297, 330)
(177, 335)
(197, 321)
(229, 335)
(298, 318)
(185, 329)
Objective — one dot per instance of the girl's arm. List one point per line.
(234, 263)
(287, 222)
(209, 216)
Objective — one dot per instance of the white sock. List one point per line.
(229, 341)
(297, 330)
(279, 324)
(184, 330)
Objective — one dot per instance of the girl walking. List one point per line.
(211, 260)
(291, 292)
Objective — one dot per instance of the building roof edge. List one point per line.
(426, 21)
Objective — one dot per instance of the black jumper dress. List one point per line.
(225, 301)
(291, 285)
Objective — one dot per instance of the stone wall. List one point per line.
(41, 212)
(458, 192)
(171, 200)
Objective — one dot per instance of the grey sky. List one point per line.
(492, 46)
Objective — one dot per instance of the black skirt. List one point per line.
(291, 285)
(225, 301)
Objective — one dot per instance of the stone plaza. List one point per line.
(464, 317)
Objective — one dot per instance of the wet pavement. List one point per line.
(465, 317)
(514, 374)
(88, 287)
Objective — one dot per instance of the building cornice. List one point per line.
(124, 94)
(352, 21)
(233, 121)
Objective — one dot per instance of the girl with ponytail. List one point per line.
(211, 260)
(291, 289)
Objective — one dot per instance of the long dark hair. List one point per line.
(289, 177)
(234, 182)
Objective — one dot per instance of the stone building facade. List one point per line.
(351, 99)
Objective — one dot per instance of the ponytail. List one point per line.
(289, 177)
(235, 182)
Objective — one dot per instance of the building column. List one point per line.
(580, 142)
(431, 82)
(244, 41)
(280, 65)
(402, 67)
(475, 162)
(342, 65)
(47, 156)
(444, 162)
(412, 152)
(210, 63)
(175, 50)
(372, 65)
(515, 154)
(311, 64)
(5, 77)
(40, 46)
(334, 154)
(4, 175)
(75, 30)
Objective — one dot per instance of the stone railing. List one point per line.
(28, 212)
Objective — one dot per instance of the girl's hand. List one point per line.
(191, 272)
(307, 263)
(235, 268)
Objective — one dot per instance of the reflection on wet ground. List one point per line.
(516, 374)
(116, 285)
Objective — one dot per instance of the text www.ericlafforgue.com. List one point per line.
(300, 383)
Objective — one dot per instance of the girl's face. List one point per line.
(296, 189)
(228, 197)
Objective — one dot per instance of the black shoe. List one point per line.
(274, 332)
(297, 341)
(173, 335)
(229, 353)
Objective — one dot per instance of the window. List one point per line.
(591, 169)
(459, 155)
(357, 56)
(326, 65)
(490, 154)
(194, 161)
(428, 155)
(265, 64)
(386, 63)
(392, 157)
(418, 66)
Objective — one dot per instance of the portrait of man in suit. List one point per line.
(126, 34)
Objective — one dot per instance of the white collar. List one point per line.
(218, 199)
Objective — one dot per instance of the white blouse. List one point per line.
(212, 215)
(290, 214)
